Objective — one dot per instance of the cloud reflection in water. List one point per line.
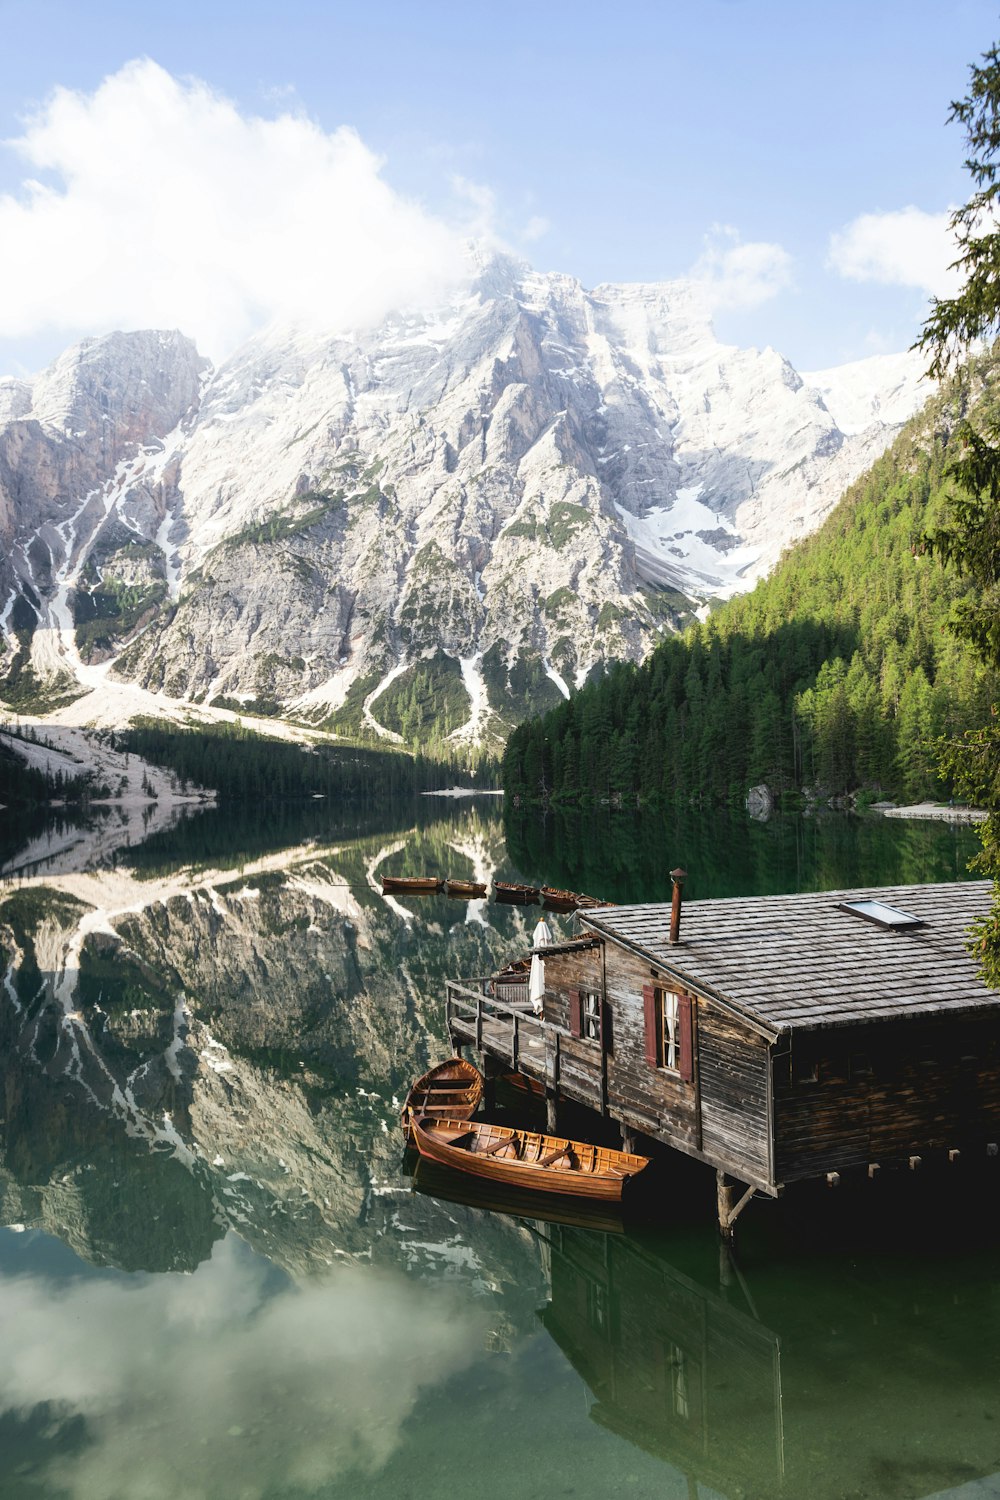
(219, 1384)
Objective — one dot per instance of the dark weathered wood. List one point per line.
(733, 1068)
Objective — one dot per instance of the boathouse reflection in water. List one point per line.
(873, 1394)
(680, 1371)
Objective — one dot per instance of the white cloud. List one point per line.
(737, 275)
(536, 228)
(163, 205)
(906, 247)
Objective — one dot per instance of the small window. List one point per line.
(597, 1306)
(679, 1395)
(805, 1069)
(669, 1030)
(880, 914)
(591, 1015)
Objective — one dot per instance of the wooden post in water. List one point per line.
(490, 1069)
(724, 1203)
(628, 1139)
(729, 1206)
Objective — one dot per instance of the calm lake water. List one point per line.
(218, 1277)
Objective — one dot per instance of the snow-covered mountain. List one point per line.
(435, 526)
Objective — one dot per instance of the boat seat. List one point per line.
(499, 1145)
(551, 1156)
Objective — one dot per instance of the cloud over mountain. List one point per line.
(155, 202)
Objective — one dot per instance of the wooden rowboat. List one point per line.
(451, 1090)
(413, 885)
(526, 1159)
(513, 894)
(439, 1182)
(522, 1084)
(554, 899)
(466, 890)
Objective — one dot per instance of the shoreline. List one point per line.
(939, 812)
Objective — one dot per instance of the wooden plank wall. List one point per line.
(721, 1112)
(885, 1092)
(650, 1099)
(579, 1060)
(733, 1063)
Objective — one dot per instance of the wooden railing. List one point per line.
(471, 1004)
(507, 1029)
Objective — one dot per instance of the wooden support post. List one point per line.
(551, 1112)
(729, 1206)
(628, 1138)
(724, 1201)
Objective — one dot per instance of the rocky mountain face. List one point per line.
(426, 530)
(189, 1054)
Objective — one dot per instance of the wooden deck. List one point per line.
(512, 1034)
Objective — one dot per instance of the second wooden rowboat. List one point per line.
(450, 1090)
(514, 894)
(527, 1159)
(472, 890)
(554, 899)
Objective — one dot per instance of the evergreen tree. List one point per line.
(969, 538)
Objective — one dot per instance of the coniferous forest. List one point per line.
(241, 765)
(838, 673)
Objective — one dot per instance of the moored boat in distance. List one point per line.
(413, 885)
(514, 894)
(466, 890)
(451, 1090)
(526, 1158)
(554, 899)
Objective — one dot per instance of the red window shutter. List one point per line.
(575, 1014)
(685, 1038)
(649, 1016)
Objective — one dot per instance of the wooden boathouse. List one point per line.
(776, 1039)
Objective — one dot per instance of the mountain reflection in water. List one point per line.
(219, 1280)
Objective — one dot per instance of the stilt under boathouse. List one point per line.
(776, 1039)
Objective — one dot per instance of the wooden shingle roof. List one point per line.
(800, 962)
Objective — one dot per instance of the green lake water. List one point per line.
(220, 1278)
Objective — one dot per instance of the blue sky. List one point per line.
(609, 142)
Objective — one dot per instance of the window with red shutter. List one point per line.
(651, 1025)
(685, 1059)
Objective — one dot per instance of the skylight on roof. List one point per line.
(881, 914)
